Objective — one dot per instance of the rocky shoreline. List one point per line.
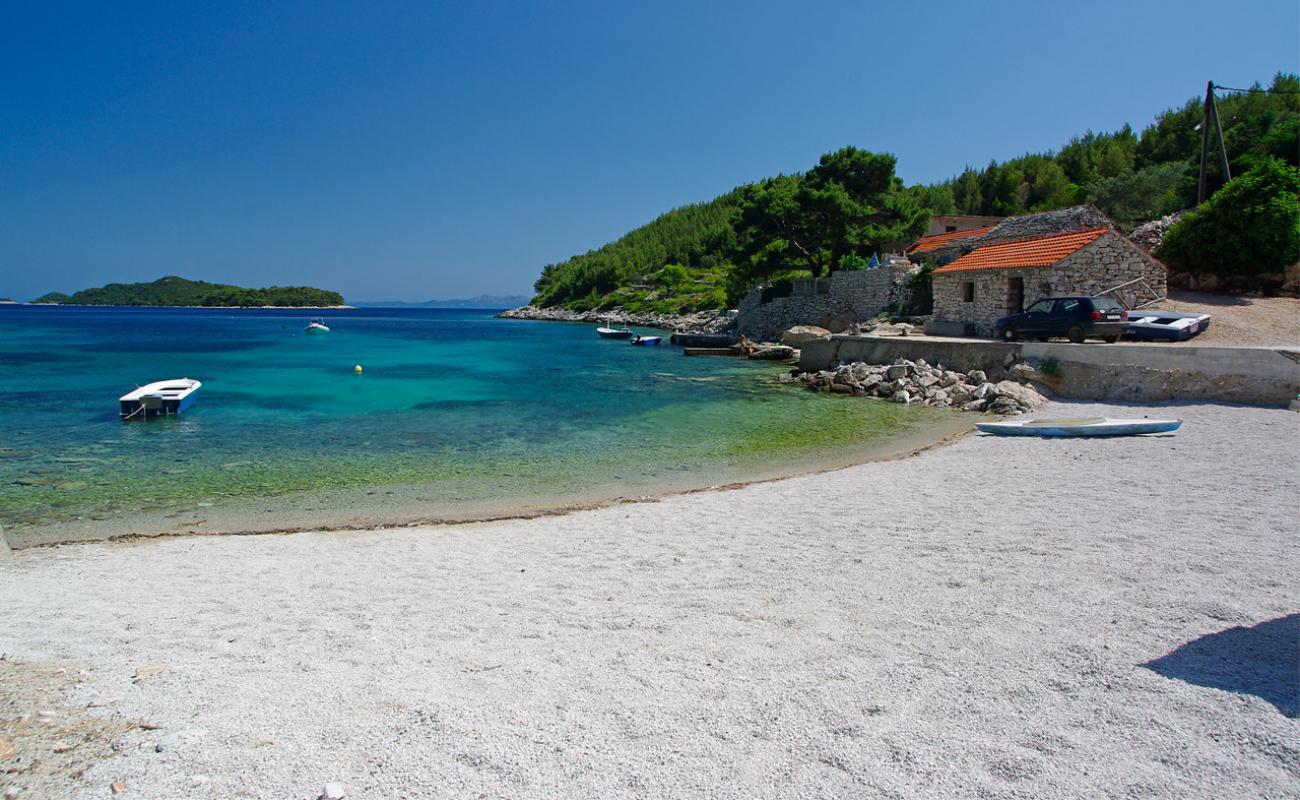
(700, 321)
(903, 381)
(917, 382)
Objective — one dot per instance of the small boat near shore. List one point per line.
(1080, 426)
(711, 351)
(317, 325)
(646, 341)
(687, 339)
(606, 332)
(158, 399)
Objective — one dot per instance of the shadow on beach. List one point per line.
(1263, 660)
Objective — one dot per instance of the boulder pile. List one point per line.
(1149, 235)
(917, 382)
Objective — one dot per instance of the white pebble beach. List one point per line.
(998, 617)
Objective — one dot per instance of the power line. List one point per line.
(1256, 90)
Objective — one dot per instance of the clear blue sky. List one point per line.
(417, 150)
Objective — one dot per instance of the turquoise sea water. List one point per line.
(465, 411)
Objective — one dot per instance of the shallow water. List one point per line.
(455, 414)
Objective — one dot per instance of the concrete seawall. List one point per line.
(1133, 373)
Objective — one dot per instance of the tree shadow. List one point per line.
(1207, 299)
(1263, 660)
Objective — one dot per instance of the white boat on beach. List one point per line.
(1080, 426)
(160, 398)
(1169, 325)
(317, 325)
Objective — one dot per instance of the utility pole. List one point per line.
(1218, 131)
(1205, 140)
(1211, 110)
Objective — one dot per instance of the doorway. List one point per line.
(1015, 295)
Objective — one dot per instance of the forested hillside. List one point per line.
(174, 291)
(1131, 177)
(703, 256)
(680, 254)
(850, 205)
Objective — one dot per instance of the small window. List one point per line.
(1041, 307)
(1105, 303)
(1066, 306)
(949, 228)
(968, 292)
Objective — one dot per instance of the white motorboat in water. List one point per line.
(1080, 426)
(160, 398)
(646, 341)
(606, 332)
(317, 325)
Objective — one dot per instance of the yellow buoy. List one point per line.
(357, 369)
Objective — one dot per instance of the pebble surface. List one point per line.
(999, 617)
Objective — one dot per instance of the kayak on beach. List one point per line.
(1082, 426)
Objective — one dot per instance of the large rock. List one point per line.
(1009, 397)
(839, 322)
(893, 329)
(773, 352)
(1024, 372)
(796, 336)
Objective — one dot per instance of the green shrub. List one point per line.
(853, 261)
(1250, 227)
(920, 294)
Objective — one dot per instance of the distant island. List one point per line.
(492, 301)
(176, 291)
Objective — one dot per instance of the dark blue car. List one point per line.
(1075, 318)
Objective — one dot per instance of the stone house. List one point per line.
(1002, 278)
(944, 248)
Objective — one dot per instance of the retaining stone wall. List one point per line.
(859, 294)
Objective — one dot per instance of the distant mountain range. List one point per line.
(482, 301)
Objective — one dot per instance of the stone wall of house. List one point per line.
(991, 298)
(851, 296)
(1093, 269)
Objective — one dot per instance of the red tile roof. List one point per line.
(928, 243)
(1043, 251)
